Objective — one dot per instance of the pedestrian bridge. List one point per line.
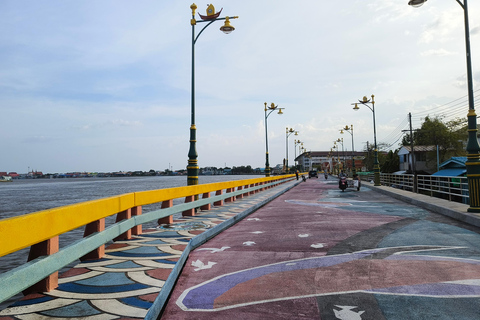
(126, 277)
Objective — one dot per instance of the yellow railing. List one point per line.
(41, 230)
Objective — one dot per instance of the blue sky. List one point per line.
(105, 85)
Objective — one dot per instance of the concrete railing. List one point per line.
(40, 273)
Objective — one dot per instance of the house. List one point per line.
(453, 167)
(419, 155)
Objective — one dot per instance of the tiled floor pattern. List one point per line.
(124, 284)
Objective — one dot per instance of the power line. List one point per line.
(396, 134)
(452, 109)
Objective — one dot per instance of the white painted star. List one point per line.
(201, 266)
(317, 245)
(215, 250)
(346, 313)
(249, 243)
(305, 235)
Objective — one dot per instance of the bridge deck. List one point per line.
(301, 256)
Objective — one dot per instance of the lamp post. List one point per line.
(302, 150)
(309, 156)
(473, 148)
(288, 133)
(211, 17)
(340, 140)
(269, 109)
(295, 144)
(334, 165)
(376, 167)
(350, 130)
(339, 163)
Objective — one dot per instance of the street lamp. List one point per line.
(350, 130)
(270, 109)
(340, 140)
(295, 144)
(302, 150)
(473, 148)
(340, 164)
(288, 133)
(376, 166)
(211, 17)
(336, 166)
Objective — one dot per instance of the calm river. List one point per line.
(31, 195)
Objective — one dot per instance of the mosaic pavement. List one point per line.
(124, 284)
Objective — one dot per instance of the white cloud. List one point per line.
(439, 53)
(104, 82)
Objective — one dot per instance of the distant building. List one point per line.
(14, 175)
(330, 161)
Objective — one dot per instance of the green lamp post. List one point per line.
(268, 111)
(376, 166)
(288, 134)
(473, 148)
(211, 17)
(350, 130)
(340, 141)
(296, 142)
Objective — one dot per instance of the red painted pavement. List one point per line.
(283, 230)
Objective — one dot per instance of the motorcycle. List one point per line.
(342, 183)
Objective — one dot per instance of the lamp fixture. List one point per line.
(416, 3)
(227, 27)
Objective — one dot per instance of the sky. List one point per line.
(101, 86)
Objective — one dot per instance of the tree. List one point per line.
(370, 157)
(449, 138)
(390, 163)
(242, 170)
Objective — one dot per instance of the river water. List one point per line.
(31, 195)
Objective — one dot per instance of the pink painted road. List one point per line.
(318, 253)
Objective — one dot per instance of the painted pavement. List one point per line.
(124, 284)
(319, 253)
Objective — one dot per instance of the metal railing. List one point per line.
(450, 188)
(445, 187)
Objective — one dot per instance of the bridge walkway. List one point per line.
(268, 255)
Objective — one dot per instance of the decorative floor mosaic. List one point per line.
(125, 282)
